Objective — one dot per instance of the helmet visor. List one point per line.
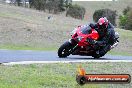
(102, 27)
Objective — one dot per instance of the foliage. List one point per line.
(128, 24)
(126, 10)
(125, 20)
(53, 6)
(111, 15)
(76, 11)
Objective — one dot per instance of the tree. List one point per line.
(67, 3)
(122, 21)
(30, 3)
(128, 24)
(53, 6)
(61, 5)
(76, 11)
(111, 15)
(18, 2)
(125, 20)
(127, 9)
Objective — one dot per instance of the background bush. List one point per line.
(128, 24)
(125, 20)
(53, 6)
(111, 15)
(76, 11)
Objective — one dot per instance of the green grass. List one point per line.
(125, 34)
(40, 76)
(119, 53)
(25, 47)
(57, 75)
(125, 43)
(15, 16)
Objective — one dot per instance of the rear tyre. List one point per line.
(64, 50)
(96, 57)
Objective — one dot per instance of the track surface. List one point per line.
(27, 55)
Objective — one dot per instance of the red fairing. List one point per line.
(94, 35)
(79, 33)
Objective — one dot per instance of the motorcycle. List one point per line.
(79, 45)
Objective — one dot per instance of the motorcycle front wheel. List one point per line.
(65, 50)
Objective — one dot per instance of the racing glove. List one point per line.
(91, 41)
(94, 43)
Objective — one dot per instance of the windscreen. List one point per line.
(86, 29)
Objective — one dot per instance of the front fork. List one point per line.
(74, 44)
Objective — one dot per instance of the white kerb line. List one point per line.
(53, 62)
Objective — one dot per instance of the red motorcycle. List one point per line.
(78, 44)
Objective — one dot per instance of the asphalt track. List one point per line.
(7, 56)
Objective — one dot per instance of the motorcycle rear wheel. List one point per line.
(96, 57)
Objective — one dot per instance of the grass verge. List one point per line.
(25, 47)
(58, 75)
(119, 53)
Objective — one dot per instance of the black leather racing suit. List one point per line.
(106, 38)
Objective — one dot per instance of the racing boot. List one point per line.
(103, 51)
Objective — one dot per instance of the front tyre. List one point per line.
(64, 50)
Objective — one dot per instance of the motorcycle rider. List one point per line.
(106, 37)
